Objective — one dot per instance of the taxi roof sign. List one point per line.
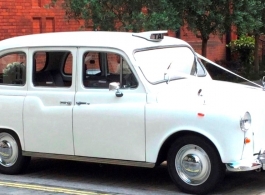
(151, 35)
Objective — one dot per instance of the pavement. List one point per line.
(68, 177)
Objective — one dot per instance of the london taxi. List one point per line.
(135, 99)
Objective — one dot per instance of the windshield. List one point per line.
(163, 64)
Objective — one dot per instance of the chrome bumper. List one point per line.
(247, 165)
(244, 165)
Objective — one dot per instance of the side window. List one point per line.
(91, 62)
(40, 61)
(13, 69)
(67, 69)
(52, 69)
(100, 69)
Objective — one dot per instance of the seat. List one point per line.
(44, 78)
(49, 78)
(57, 78)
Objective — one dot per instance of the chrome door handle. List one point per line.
(66, 103)
(79, 103)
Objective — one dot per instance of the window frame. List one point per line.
(16, 52)
(69, 78)
(105, 72)
(64, 64)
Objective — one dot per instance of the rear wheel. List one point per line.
(194, 165)
(11, 159)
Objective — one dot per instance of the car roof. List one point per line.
(120, 40)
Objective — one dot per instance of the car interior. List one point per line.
(54, 69)
(100, 69)
(48, 69)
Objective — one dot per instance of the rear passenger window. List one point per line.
(13, 69)
(52, 69)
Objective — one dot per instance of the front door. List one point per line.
(49, 103)
(106, 124)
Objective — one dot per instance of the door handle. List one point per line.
(79, 103)
(66, 103)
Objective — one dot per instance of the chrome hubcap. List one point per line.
(8, 150)
(5, 150)
(193, 164)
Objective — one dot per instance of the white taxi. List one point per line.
(135, 99)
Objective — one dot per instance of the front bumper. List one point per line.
(248, 165)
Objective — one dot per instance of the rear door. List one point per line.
(13, 89)
(49, 103)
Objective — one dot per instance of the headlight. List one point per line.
(245, 122)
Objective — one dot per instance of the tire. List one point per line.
(195, 165)
(11, 159)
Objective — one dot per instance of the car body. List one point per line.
(134, 99)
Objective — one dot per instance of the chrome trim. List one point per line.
(8, 150)
(82, 103)
(245, 122)
(5, 149)
(68, 103)
(261, 158)
(244, 165)
(192, 165)
(90, 159)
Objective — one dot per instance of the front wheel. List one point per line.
(11, 159)
(194, 165)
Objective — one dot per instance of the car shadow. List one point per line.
(132, 180)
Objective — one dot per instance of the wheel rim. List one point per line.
(8, 150)
(192, 164)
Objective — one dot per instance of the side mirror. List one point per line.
(115, 86)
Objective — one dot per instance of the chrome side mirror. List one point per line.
(115, 86)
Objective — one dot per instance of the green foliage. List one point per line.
(123, 15)
(248, 16)
(244, 46)
(204, 17)
(243, 49)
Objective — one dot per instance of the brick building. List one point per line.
(22, 17)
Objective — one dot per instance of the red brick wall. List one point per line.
(21, 17)
(216, 46)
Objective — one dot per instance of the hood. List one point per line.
(233, 93)
(210, 92)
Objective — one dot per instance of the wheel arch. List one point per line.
(13, 133)
(14, 162)
(162, 154)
